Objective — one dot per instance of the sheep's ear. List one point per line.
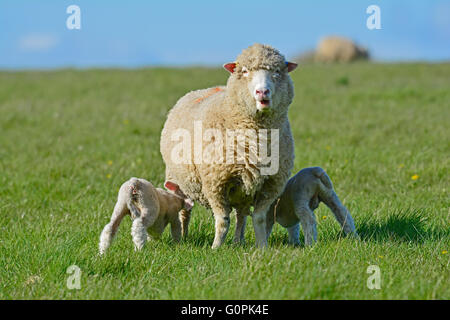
(188, 204)
(171, 186)
(291, 66)
(230, 66)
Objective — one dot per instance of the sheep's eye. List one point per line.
(245, 72)
(276, 75)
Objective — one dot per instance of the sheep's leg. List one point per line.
(241, 221)
(270, 220)
(222, 224)
(184, 217)
(259, 225)
(340, 212)
(294, 234)
(110, 230)
(308, 222)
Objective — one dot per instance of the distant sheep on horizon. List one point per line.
(339, 49)
(334, 49)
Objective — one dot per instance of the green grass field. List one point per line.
(70, 138)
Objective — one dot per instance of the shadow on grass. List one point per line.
(406, 226)
(409, 225)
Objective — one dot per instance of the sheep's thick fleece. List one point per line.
(224, 186)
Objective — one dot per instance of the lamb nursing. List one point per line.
(150, 209)
(300, 198)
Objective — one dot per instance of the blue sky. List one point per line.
(133, 33)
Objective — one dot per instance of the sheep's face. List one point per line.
(260, 78)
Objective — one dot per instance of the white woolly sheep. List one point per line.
(150, 208)
(257, 96)
(339, 49)
(301, 197)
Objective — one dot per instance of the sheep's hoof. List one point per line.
(215, 246)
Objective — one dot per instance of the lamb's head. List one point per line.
(185, 202)
(260, 80)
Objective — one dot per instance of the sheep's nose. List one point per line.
(263, 92)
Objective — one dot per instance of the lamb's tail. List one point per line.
(319, 173)
(134, 195)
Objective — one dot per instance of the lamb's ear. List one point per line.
(188, 204)
(171, 186)
(230, 66)
(291, 66)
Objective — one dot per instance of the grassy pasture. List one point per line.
(70, 138)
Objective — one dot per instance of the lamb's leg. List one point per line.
(340, 212)
(184, 217)
(241, 221)
(294, 234)
(110, 230)
(308, 222)
(140, 224)
(139, 233)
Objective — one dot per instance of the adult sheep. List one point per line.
(339, 49)
(257, 96)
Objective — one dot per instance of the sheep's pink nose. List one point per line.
(262, 92)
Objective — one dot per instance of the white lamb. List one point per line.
(151, 209)
(296, 206)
